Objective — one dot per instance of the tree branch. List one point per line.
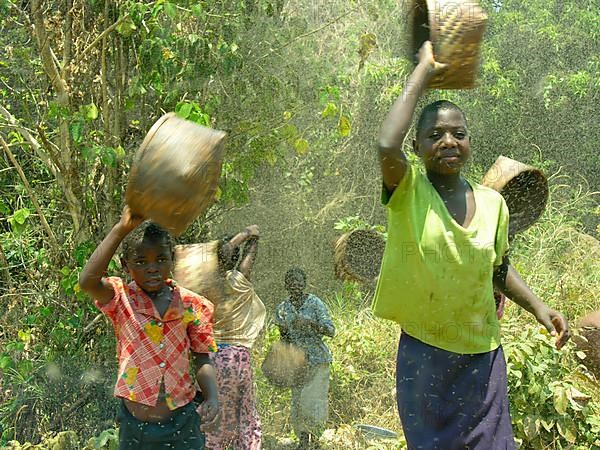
(32, 195)
(98, 39)
(308, 33)
(46, 53)
(35, 145)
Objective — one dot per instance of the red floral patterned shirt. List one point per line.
(152, 349)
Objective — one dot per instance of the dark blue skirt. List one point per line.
(450, 401)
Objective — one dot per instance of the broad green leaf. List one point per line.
(65, 271)
(119, 152)
(6, 362)
(344, 126)
(547, 424)
(4, 209)
(568, 430)
(183, 110)
(108, 157)
(198, 11)
(76, 130)
(329, 111)
(25, 336)
(90, 112)
(126, 27)
(301, 146)
(561, 401)
(170, 10)
(88, 153)
(21, 215)
(289, 132)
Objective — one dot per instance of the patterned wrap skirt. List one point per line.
(240, 427)
(451, 401)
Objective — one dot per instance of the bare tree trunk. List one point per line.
(56, 76)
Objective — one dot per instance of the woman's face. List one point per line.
(443, 143)
(295, 284)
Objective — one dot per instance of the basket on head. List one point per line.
(175, 173)
(524, 188)
(358, 255)
(196, 269)
(455, 29)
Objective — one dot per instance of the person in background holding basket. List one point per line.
(446, 250)
(158, 326)
(303, 320)
(239, 319)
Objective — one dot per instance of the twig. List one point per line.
(99, 38)
(67, 412)
(32, 195)
(90, 326)
(308, 33)
(35, 145)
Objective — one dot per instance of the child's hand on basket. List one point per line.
(426, 58)
(129, 220)
(210, 415)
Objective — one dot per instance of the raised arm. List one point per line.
(250, 251)
(91, 278)
(395, 127)
(228, 248)
(508, 281)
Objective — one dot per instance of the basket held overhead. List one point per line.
(176, 172)
(358, 256)
(196, 269)
(456, 30)
(524, 188)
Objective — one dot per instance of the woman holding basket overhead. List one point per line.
(238, 320)
(446, 251)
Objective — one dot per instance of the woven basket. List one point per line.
(196, 269)
(358, 256)
(455, 29)
(524, 188)
(285, 365)
(175, 172)
(588, 341)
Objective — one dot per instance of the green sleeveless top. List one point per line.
(436, 276)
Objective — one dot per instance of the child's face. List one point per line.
(443, 143)
(150, 263)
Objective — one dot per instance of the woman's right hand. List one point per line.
(253, 230)
(130, 221)
(427, 58)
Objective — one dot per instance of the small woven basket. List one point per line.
(285, 365)
(456, 30)
(524, 188)
(587, 340)
(358, 256)
(176, 172)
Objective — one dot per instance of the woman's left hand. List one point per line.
(556, 324)
(210, 415)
